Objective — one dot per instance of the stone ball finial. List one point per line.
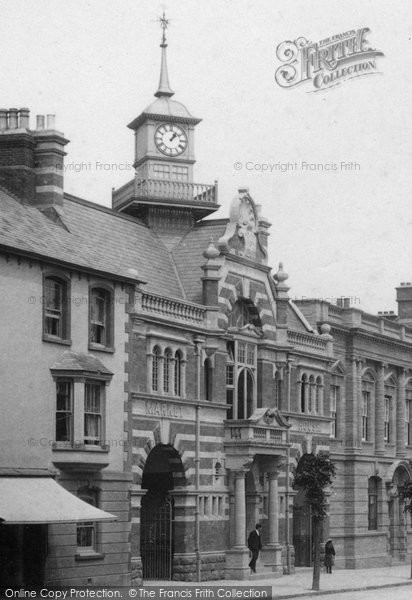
(325, 328)
(211, 251)
(281, 275)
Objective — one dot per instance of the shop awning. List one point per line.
(38, 500)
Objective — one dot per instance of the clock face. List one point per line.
(170, 139)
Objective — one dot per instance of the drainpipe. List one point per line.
(197, 515)
(287, 532)
(198, 343)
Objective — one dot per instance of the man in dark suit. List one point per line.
(254, 543)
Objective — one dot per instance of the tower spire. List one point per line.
(164, 86)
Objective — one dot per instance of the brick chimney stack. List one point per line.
(404, 300)
(31, 161)
(17, 153)
(49, 162)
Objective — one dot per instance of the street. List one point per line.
(403, 592)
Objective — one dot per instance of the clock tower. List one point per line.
(163, 192)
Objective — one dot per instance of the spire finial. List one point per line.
(164, 23)
(164, 86)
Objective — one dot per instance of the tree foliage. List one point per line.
(405, 492)
(314, 474)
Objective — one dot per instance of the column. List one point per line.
(273, 509)
(380, 410)
(240, 510)
(289, 385)
(299, 392)
(352, 406)
(400, 415)
(271, 554)
(359, 364)
(237, 558)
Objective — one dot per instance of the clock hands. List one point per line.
(170, 139)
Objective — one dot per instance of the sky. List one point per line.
(95, 64)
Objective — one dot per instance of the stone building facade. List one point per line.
(156, 368)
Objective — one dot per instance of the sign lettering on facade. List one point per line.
(163, 409)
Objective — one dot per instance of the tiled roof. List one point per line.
(188, 255)
(97, 239)
(80, 362)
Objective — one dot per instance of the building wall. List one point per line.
(28, 406)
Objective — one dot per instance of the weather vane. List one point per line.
(164, 23)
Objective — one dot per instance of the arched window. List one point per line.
(178, 373)
(311, 395)
(167, 371)
(101, 317)
(303, 392)
(368, 391)
(244, 313)
(408, 413)
(241, 365)
(156, 368)
(55, 308)
(318, 396)
(207, 383)
(277, 391)
(230, 378)
(334, 405)
(245, 394)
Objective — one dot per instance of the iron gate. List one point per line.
(156, 541)
(302, 535)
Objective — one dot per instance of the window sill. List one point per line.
(101, 348)
(88, 555)
(56, 340)
(79, 447)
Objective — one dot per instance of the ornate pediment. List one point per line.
(242, 232)
(269, 416)
(338, 368)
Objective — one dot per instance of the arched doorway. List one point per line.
(302, 530)
(397, 517)
(162, 473)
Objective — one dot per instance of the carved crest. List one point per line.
(242, 233)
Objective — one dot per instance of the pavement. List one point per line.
(341, 580)
(300, 583)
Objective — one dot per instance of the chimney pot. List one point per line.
(13, 119)
(3, 118)
(40, 122)
(51, 121)
(24, 115)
